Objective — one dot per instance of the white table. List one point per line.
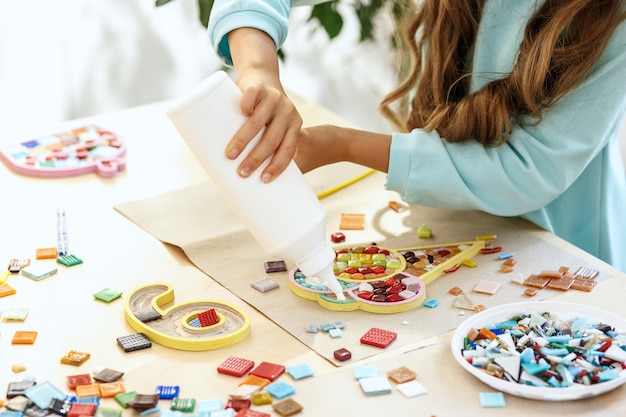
(119, 255)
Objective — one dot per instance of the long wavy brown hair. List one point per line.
(561, 44)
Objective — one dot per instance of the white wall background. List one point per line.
(344, 75)
(66, 59)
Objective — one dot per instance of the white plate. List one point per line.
(562, 311)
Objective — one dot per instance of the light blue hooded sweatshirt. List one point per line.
(564, 174)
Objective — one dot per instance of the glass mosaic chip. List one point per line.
(244, 391)
(87, 400)
(261, 397)
(562, 283)
(46, 253)
(586, 273)
(124, 398)
(15, 389)
(300, 371)
(287, 407)
(256, 380)
(537, 281)
(15, 265)
(69, 260)
(342, 354)
(143, 401)
(111, 389)
(352, 221)
(365, 371)
(186, 405)
(235, 366)
(108, 412)
(208, 317)
(280, 389)
(34, 411)
(268, 370)
(6, 289)
(167, 392)
(210, 405)
(492, 399)
(18, 404)
(463, 302)
(469, 263)
(18, 367)
(60, 407)
(82, 409)
(76, 358)
(107, 295)
(24, 337)
(275, 266)
(335, 333)
(518, 279)
(431, 303)
(615, 353)
(375, 385)
(264, 285)
(148, 411)
(238, 404)
(85, 391)
(134, 342)
(15, 314)
(150, 314)
(312, 328)
(411, 389)
(43, 393)
(584, 284)
(39, 271)
(378, 337)
(401, 375)
(327, 326)
(75, 380)
(487, 287)
(530, 292)
(339, 324)
(337, 237)
(424, 232)
(108, 375)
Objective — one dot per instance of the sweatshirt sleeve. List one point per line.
(270, 16)
(537, 163)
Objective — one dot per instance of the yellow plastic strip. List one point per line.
(346, 184)
(473, 248)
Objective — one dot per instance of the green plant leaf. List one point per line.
(328, 17)
(366, 12)
(205, 7)
(325, 13)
